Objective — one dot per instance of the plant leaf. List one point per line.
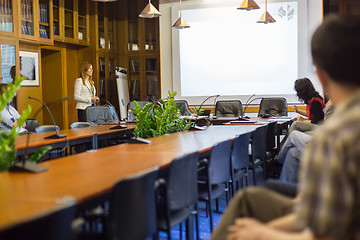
(39, 153)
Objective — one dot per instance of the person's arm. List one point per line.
(301, 112)
(317, 111)
(77, 92)
(6, 118)
(251, 229)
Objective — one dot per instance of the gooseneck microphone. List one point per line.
(215, 96)
(248, 104)
(58, 134)
(24, 164)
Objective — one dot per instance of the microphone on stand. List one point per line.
(216, 96)
(118, 126)
(194, 127)
(246, 118)
(58, 134)
(24, 164)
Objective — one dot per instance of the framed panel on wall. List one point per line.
(29, 68)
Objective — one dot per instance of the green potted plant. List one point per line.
(159, 118)
(8, 137)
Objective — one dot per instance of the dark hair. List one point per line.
(305, 90)
(335, 47)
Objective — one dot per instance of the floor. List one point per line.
(204, 223)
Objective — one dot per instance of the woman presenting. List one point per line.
(84, 91)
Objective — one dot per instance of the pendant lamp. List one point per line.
(180, 23)
(266, 17)
(150, 12)
(248, 5)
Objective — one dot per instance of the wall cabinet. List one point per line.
(142, 52)
(106, 24)
(35, 21)
(144, 78)
(71, 21)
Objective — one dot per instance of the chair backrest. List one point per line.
(219, 162)
(113, 112)
(184, 111)
(182, 189)
(273, 106)
(259, 143)
(98, 114)
(79, 125)
(31, 124)
(47, 128)
(232, 108)
(55, 226)
(240, 151)
(270, 136)
(132, 213)
(132, 105)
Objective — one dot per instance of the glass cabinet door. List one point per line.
(44, 19)
(6, 17)
(69, 18)
(134, 79)
(27, 17)
(133, 16)
(56, 18)
(152, 82)
(82, 21)
(111, 28)
(101, 26)
(102, 76)
(151, 31)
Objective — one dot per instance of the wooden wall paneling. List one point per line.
(55, 82)
(73, 72)
(33, 91)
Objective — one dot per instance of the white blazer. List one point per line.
(83, 94)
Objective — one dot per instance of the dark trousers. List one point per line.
(81, 115)
(259, 203)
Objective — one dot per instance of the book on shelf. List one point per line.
(133, 86)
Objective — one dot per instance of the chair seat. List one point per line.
(176, 218)
(216, 191)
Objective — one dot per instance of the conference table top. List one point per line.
(90, 174)
(38, 139)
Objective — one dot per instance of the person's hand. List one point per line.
(300, 118)
(295, 108)
(247, 229)
(94, 99)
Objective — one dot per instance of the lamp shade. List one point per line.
(150, 12)
(248, 5)
(181, 24)
(266, 18)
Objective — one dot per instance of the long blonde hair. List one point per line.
(83, 68)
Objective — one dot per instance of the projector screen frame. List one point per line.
(308, 20)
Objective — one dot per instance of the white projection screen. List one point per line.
(227, 52)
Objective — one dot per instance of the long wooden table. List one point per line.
(74, 136)
(88, 175)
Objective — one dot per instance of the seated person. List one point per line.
(291, 151)
(328, 202)
(9, 117)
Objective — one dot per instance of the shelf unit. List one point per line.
(6, 18)
(106, 24)
(142, 52)
(71, 21)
